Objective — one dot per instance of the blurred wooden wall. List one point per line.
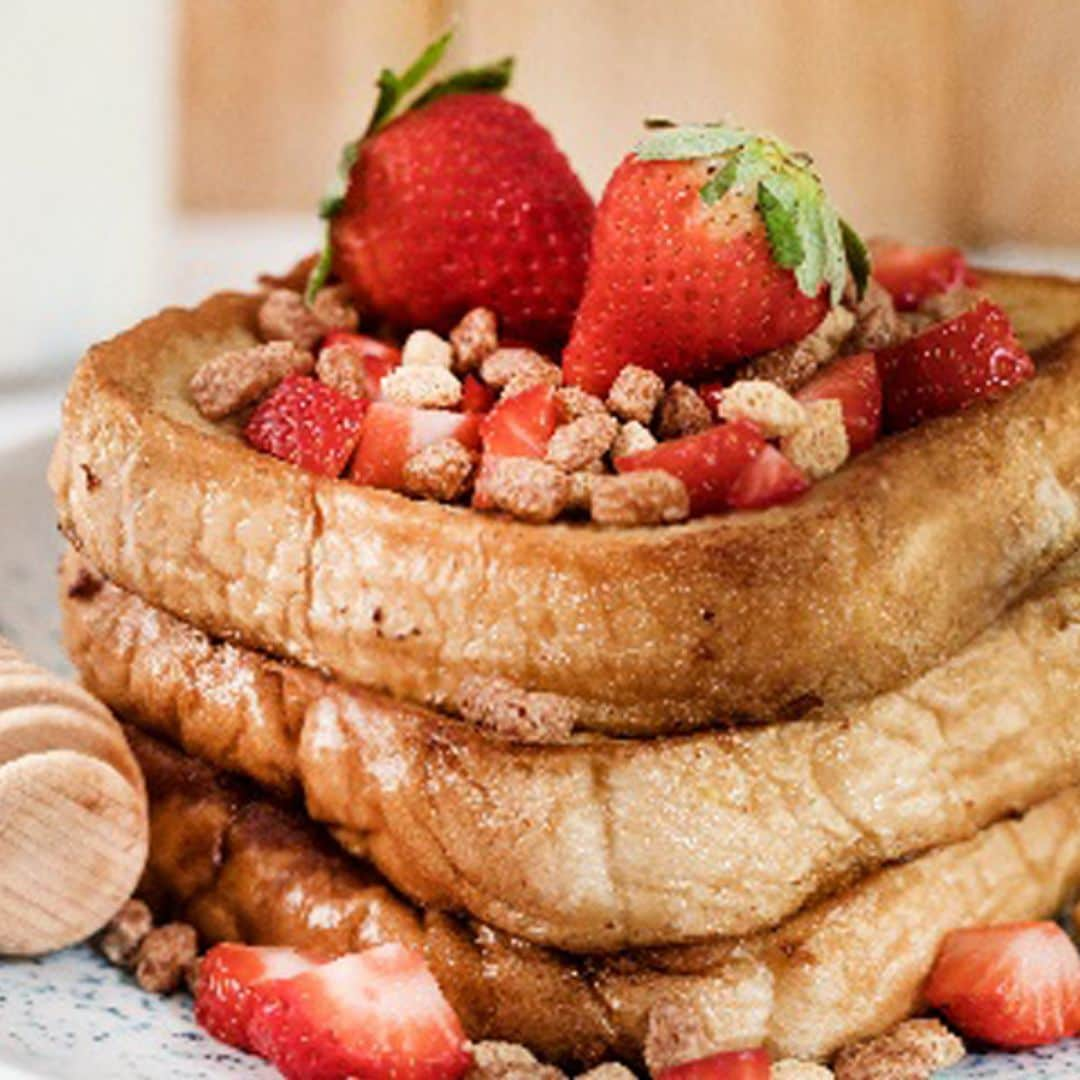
(951, 119)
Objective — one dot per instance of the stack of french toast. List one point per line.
(728, 776)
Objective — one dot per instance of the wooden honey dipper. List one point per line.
(73, 818)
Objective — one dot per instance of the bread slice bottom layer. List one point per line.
(605, 844)
(244, 869)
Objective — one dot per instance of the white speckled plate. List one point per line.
(73, 1016)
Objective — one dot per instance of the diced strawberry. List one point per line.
(377, 357)
(476, 396)
(854, 381)
(1013, 985)
(225, 1000)
(520, 426)
(393, 433)
(711, 393)
(952, 365)
(770, 479)
(376, 1014)
(707, 463)
(912, 274)
(309, 424)
(731, 1065)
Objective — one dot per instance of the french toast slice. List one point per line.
(239, 868)
(608, 843)
(882, 571)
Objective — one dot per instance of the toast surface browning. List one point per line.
(670, 840)
(850, 967)
(879, 573)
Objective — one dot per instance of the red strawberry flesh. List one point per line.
(708, 463)
(1013, 985)
(911, 274)
(769, 480)
(309, 424)
(225, 999)
(521, 425)
(731, 1065)
(951, 366)
(854, 382)
(372, 1015)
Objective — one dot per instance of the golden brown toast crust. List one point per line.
(461, 821)
(881, 572)
(242, 869)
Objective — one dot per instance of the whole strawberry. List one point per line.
(463, 201)
(711, 245)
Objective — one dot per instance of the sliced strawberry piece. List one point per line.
(374, 1014)
(309, 424)
(732, 1065)
(708, 463)
(377, 357)
(1012, 985)
(711, 393)
(854, 381)
(393, 433)
(952, 365)
(476, 396)
(770, 479)
(520, 426)
(911, 274)
(225, 1000)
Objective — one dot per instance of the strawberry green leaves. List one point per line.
(805, 233)
(394, 89)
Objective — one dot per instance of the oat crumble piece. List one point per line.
(947, 305)
(508, 1061)
(526, 488)
(792, 366)
(498, 706)
(163, 955)
(579, 492)
(514, 370)
(427, 349)
(125, 933)
(231, 380)
(642, 497)
(820, 446)
(765, 404)
(573, 403)
(791, 1069)
(191, 975)
(877, 322)
(913, 1050)
(341, 367)
(283, 316)
(635, 393)
(474, 339)
(675, 1035)
(581, 442)
(633, 438)
(683, 412)
(422, 386)
(610, 1070)
(440, 471)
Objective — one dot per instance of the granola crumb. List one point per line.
(474, 339)
(764, 404)
(508, 1061)
(341, 367)
(643, 497)
(913, 1050)
(791, 366)
(163, 955)
(125, 933)
(191, 975)
(514, 370)
(440, 471)
(790, 1069)
(427, 349)
(947, 305)
(504, 709)
(581, 442)
(877, 322)
(633, 438)
(635, 394)
(683, 412)
(423, 386)
(232, 380)
(675, 1035)
(283, 316)
(579, 492)
(820, 446)
(610, 1070)
(526, 488)
(573, 403)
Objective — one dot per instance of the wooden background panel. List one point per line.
(928, 118)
